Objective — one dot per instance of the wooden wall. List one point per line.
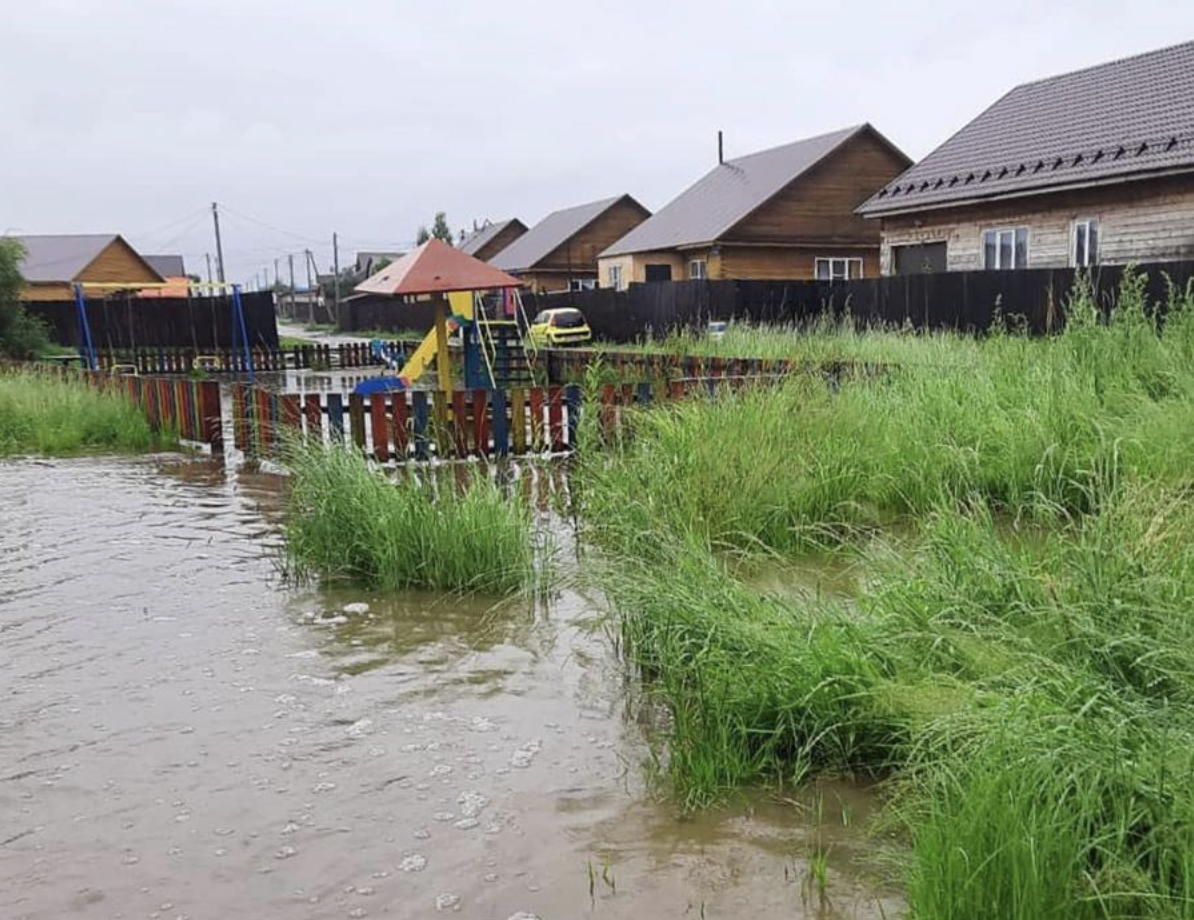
(783, 263)
(818, 207)
(503, 238)
(116, 264)
(1142, 221)
(579, 253)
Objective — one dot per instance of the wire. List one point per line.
(269, 226)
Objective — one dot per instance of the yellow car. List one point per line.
(562, 326)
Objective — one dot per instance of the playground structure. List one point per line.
(240, 336)
(494, 350)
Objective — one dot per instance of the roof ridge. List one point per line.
(846, 132)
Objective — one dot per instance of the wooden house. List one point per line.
(173, 269)
(783, 213)
(54, 264)
(560, 252)
(1094, 166)
(489, 239)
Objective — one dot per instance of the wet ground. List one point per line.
(182, 734)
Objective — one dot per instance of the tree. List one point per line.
(440, 229)
(21, 335)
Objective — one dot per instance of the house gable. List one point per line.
(579, 252)
(818, 206)
(118, 263)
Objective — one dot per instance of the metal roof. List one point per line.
(1124, 119)
(480, 237)
(729, 193)
(167, 266)
(59, 258)
(551, 233)
(436, 268)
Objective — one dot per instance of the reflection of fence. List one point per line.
(414, 424)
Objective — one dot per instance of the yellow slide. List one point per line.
(417, 363)
(432, 347)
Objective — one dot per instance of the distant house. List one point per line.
(489, 239)
(560, 252)
(368, 263)
(173, 269)
(1094, 166)
(782, 213)
(101, 262)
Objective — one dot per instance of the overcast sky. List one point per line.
(301, 117)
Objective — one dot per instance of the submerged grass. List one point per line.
(348, 520)
(1022, 674)
(41, 414)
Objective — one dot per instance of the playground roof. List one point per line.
(436, 268)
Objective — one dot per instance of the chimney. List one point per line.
(721, 157)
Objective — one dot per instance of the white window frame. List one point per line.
(582, 284)
(613, 275)
(698, 269)
(838, 268)
(1087, 223)
(1000, 232)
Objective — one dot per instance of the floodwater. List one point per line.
(182, 734)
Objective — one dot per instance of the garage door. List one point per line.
(922, 259)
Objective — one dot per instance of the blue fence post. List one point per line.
(501, 426)
(336, 418)
(572, 402)
(419, 405)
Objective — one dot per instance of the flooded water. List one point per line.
(182, 734)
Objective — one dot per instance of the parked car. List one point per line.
(561, 326)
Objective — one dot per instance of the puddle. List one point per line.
(184, 735)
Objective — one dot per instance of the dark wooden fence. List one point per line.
(317, 356)
(369, 311)
(967, 301)
(120, 321)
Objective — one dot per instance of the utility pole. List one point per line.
(275, 272)
(207, 256)
(215, 219)
(336, 270)
(290, 260)
(307, 253)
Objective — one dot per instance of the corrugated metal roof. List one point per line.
(727, 194)
(1118, 120)
(436, 268)
(167, 266)
(481, 237)
(58, 258)
(550, 233)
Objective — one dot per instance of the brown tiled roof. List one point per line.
(1121, 120)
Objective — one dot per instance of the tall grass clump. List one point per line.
(1022, 423)
(347, 520)
(41, 414)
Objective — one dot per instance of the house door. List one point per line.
(658, 272)
(922, 259)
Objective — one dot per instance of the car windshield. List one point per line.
(568, 319)
(543, 317)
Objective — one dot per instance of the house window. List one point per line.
(830, 269)
(614, 277)
(698, 270)
(1005, 248)
(1086, 242)
(582, 284)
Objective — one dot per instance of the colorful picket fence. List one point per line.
(189, 408)
(413, 424)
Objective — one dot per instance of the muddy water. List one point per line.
(183, 735)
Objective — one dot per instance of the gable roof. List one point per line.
(730, 192)
(479, 238)
(1124, 119)
(167, 266)
(436, 268)
(61, 258)
(552, 232)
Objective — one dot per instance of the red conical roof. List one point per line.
(436, 268)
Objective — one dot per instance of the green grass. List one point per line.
(347, 520)
(44, 414)
(1018, 662)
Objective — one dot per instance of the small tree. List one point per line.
(423, 235)
(21, 335)
(440, 229)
